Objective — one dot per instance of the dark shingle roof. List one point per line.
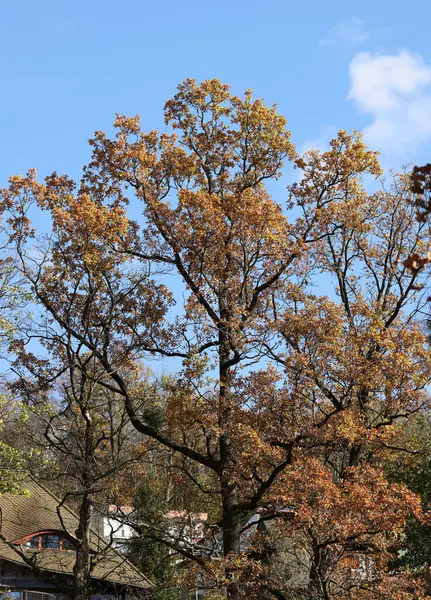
(22, 515)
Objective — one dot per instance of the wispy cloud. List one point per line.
(346, 34)
(395, 90)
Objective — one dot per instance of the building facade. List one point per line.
(37, 552)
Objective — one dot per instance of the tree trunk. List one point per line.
(81, 569)
(231, 518)
(318, 586)
(231, 536)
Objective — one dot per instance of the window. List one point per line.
(30, 595)
(12, 595)
(361, 565)
(33, 543)
(52, 542)
(48, 541)
(66, 544)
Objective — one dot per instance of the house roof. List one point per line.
(186, 516)
(37, 511)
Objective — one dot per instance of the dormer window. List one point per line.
(46, 540)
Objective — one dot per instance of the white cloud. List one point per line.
(346, 33)
(396, 91)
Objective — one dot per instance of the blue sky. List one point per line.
(68, 67)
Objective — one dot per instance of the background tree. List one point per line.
(147, 548)
(414, 470)
(87, 443)
(13, 312)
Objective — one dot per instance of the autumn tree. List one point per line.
(292, 328)
(420, 186)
